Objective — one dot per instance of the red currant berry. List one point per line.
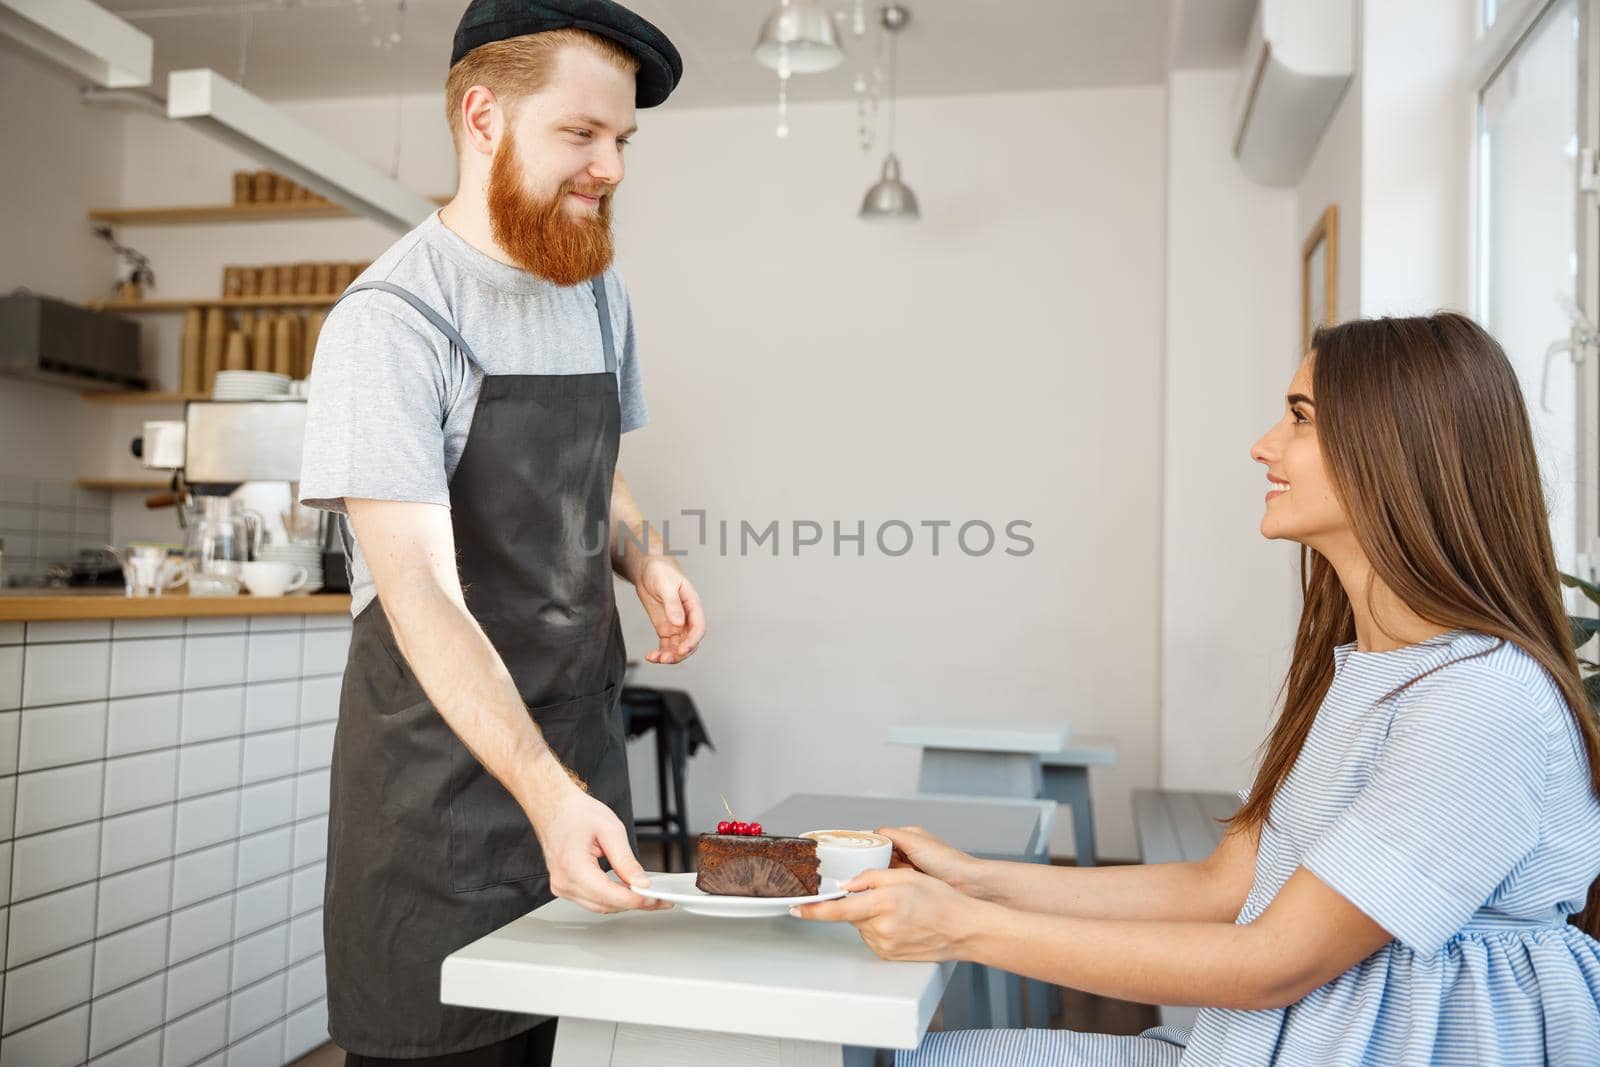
(724, 827)
(755, 829)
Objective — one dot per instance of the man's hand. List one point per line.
(575, 830)
(903, 914)
(674, 609)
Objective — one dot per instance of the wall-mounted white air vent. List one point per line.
(1297, 64)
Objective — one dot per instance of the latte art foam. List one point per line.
(848, 839)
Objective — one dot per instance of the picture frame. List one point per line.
(1319, 277)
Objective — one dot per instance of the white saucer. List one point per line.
(680, 891)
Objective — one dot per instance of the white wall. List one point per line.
(1228, 596)
(60, 159)
(998, 361)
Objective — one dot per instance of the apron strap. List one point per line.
(598, 283)
(440, 323)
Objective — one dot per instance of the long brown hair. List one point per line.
(1425, 436)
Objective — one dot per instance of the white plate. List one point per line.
(680, 891)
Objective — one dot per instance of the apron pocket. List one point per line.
(491, 840)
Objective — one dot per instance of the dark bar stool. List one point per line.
(679, 734)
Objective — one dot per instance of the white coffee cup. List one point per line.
(843, 854)
(266, 577)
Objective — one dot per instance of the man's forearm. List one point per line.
(469, 686)
(633, 541)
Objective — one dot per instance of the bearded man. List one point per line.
(465, 410)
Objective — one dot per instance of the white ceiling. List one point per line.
(323, 48)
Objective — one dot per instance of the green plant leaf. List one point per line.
(1591, 684)
(1588, 589)
(1583, 630)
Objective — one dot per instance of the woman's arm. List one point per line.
(1308, 936)
(1211, 890)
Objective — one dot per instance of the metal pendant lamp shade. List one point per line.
(891, 200)
(799, 38)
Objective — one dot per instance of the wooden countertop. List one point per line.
(31, 605)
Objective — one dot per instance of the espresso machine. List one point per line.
(221, 445)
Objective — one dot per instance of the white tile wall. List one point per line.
(61, 674)
(59, 1042)
(139, 724)
(163, 799)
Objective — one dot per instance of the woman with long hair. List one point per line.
(1412, 877)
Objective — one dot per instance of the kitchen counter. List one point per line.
(38, 605)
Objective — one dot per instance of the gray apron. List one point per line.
(426, 851)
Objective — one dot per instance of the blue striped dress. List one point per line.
(1459, 816)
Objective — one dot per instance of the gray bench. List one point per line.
(1179, 827)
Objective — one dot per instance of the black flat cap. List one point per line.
(660, 66)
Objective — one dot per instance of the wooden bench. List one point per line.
(1179, 827)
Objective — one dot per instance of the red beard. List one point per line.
(539, 235)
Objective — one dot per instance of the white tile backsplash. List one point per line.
(271, 706)
(260, 906)
(255, 1006)
(140, 667)
(132, 897)
(41, 633)
(10, 738)
(208, 768)
(308, 980)
(145, 877)
(273, 657)
(207, 820)
(129, 841)
(305, 1030)
(196, 1036)
(197, 982)
(10, 676)
(45, 987)
(261, 1049)
(316, 746)
(59, 1042)
(307, 890)
(49, 924)
(124, 1015)
(47, 862)
(130, 955)
(270, 755)
(319, 699)
(204, 874)
(311, 794)
(265, 856)
(326, 651)
(212, 713)
(145, 1052)
(141, 781)
(65, 674)
(213, 661)
(62, 734)
(266, 805)
(201, 929)
(139, 724)
(259, 955)
(59, 797)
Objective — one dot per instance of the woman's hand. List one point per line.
(918, 850)
(903, 915)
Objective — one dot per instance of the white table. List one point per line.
(671, 989)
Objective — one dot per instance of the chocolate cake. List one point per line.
(740, 865)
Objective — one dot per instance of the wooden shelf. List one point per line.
(141, 397)
(244, 302)
(116, 485)
(273, 212)
(178, 216)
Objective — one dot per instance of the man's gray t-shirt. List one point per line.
(392, 399)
